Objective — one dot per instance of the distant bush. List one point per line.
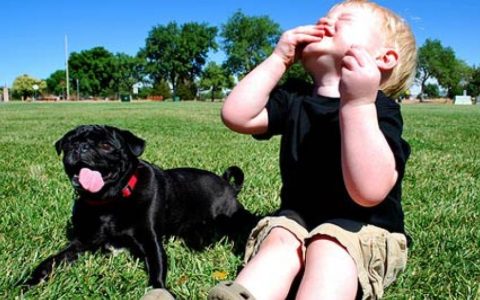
(187, 90)
(161, 89)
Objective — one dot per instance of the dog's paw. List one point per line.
(25, 285)
(114, 250)
(158, 294)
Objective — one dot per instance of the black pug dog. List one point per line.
(123, 201)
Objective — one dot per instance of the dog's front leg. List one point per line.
(155, 259)
(69, 254)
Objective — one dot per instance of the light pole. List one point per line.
(5, 94)
(66, 68)
(78, 90)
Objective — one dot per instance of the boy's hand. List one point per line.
(291, 42)
(360, 77)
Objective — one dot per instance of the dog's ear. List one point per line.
(64, 139)
(135, 144)
(59, 145)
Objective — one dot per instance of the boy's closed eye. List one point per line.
(346, 17)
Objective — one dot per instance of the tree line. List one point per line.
(439, 68)
(174, 63)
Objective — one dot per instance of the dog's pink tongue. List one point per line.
(91, 181)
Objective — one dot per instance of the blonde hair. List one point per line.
(399, 36)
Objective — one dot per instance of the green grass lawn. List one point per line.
(441, 197)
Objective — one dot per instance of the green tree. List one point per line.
(196, 41)
(456, 78)
(247, 41)
(215, 78)
(93, 71)
(437, 61)
(473, 85)
(177, 53)
(432, 90)
(23, 87)
(56, 83)
(126, 71)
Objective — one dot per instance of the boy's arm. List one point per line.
(244, 109)
(368, 163)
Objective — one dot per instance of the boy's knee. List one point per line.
(282, 238)
(286, 246)
(322, 239)
(280, 235)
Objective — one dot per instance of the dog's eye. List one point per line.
(106, 146)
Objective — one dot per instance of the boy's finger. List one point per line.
(311, 30)
(351, 55)
(306, 38)
(361, 54)
(356, 53)
(349, 62)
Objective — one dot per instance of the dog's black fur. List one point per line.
(190, 203)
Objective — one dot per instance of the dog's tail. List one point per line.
(237, 174)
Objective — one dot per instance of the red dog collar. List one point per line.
(127, 191)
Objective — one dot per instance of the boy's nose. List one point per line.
(328, 25)
(326, 21)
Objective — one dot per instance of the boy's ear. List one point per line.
(388, 59)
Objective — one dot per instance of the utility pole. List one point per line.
(66, 67)
(78, 89)
(5, 94)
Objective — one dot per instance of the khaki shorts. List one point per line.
(379, 255)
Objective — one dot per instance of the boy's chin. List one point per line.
(315, 53)
(320, 53)
(313, 63)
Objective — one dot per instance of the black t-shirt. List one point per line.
(310, 162)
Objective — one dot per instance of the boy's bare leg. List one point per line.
(272, 270)
(330, 272)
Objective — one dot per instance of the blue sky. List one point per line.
(32, 32)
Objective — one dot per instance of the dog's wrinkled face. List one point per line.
(97, 158)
